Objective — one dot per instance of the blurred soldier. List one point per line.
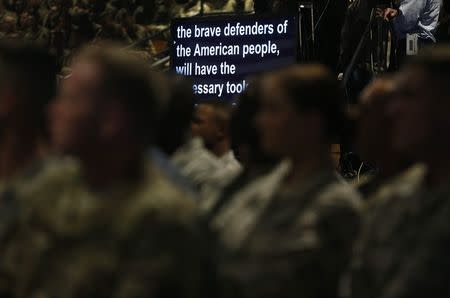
(403, 251)
(110, 225)
(27, 83)
(246, 142)
(208, 159)
(211, 123)
(374, 140)
(291, 233)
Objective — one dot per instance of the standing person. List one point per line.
(109, 223)
(292, 236)
(418, 17)
(403, 250)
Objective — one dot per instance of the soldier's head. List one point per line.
(374, 127)
(107, 101)
(8, 24)
(211, 123)
(421, 106)
(301, 110)
(27, 84)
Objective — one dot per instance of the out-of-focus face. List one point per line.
(74, 114)
(412, 110)
(25, 20)
(374, 129)
(203, 124)
(9, 24)
(279, 123)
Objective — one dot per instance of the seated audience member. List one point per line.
(207, 160)
(246, 142)
(291, 235)
(27, 83)
(403, 250)
(374, 140)
(8, 28)
(107, 224)
(211, 123)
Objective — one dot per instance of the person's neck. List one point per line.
(306, 164)
(221, 148)
(18, 150)
(105, 168)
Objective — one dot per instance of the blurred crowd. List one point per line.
(113, 183)
(65, 25)
(143, 25)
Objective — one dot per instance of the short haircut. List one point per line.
(126, 79)
(312, 87)
(30, 72)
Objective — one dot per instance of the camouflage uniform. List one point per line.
(288, 241)
(403, 251)
(131, 240)
(42, 36)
